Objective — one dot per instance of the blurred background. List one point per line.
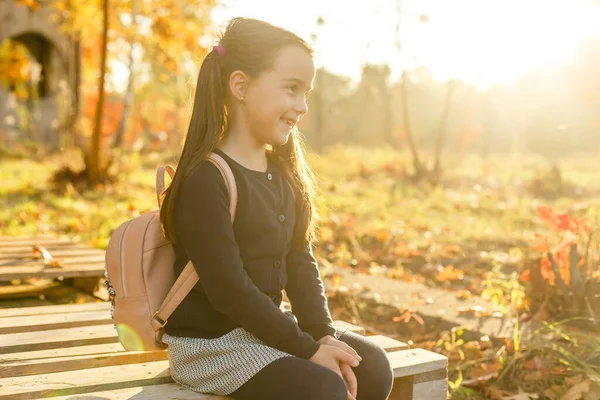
(462, 76)
(456, 145)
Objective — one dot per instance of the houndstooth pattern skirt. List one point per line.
(221, 365)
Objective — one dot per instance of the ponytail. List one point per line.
(207, 125)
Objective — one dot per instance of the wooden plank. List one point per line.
(50, 247)
(93, 356)
(85, 381)
(65, 253)
(154, 392)
(35, 323)
(428, 386)
(93, 349)
(350, 327)
(34, 262)
(416, 361)
(42, 271)
(79, 362)
(57, 338)
(67, 337)
(82, 357)
(387, 343)
(54, 309)
(48, 287)
(24, 241)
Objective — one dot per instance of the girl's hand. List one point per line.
(335, 359)
(350, 379)
(331, 341)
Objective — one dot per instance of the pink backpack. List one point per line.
(139, 271)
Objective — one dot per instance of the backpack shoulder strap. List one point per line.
(188, 277)
(227, 175)
(160, 179)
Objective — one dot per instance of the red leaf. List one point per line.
(563, 222)
(545, 212)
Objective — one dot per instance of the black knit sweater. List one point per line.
(244, 268)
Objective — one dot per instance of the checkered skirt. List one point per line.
(221, 365)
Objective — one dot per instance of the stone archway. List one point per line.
(57, 86)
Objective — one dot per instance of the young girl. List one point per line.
(229, 335)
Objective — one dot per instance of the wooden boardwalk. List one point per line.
(71, 351)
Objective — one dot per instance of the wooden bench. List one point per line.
(71, 351)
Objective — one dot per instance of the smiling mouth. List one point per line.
(290, 123)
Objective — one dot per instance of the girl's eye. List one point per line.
(293, 88)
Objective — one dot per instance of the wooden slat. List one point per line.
(80, 357)
(65, 253)
(47, 288)
(94, 349)
(96, 258)
(70, 337)
(41, 271)
(93, 356)
(387, 343)
(24, 241)
(350, 327)
(154, 392)
(85, 381)
(427, 386)
(35, 323)
(50, 247)
(86, 360)
(416, 361)
(54, 309)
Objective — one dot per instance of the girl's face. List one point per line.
(276, 99)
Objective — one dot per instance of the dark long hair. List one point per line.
(250, 46)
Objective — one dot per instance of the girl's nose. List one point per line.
(301, 106)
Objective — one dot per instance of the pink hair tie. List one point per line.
(219, 49)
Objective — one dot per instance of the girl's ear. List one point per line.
(238, 84)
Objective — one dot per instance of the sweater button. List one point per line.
(281, 217)
(277, 264)
(270, 177)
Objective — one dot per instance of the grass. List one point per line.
(475, 227)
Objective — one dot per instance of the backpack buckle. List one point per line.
(159, 320)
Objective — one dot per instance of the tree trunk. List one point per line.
(442, 129)
(407, 128)
(94, 169)
(387, 116)
(129, 92)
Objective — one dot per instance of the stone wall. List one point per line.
(54, 51)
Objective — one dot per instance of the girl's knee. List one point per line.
(375, 374)
(330, 387)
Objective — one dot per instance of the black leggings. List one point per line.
(293, 378)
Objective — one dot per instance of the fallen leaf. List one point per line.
(576, 392)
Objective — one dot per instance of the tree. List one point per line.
(170, 39)
(130, 62)
(95, 170)
(421, 170)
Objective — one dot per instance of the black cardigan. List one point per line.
(244, 268)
